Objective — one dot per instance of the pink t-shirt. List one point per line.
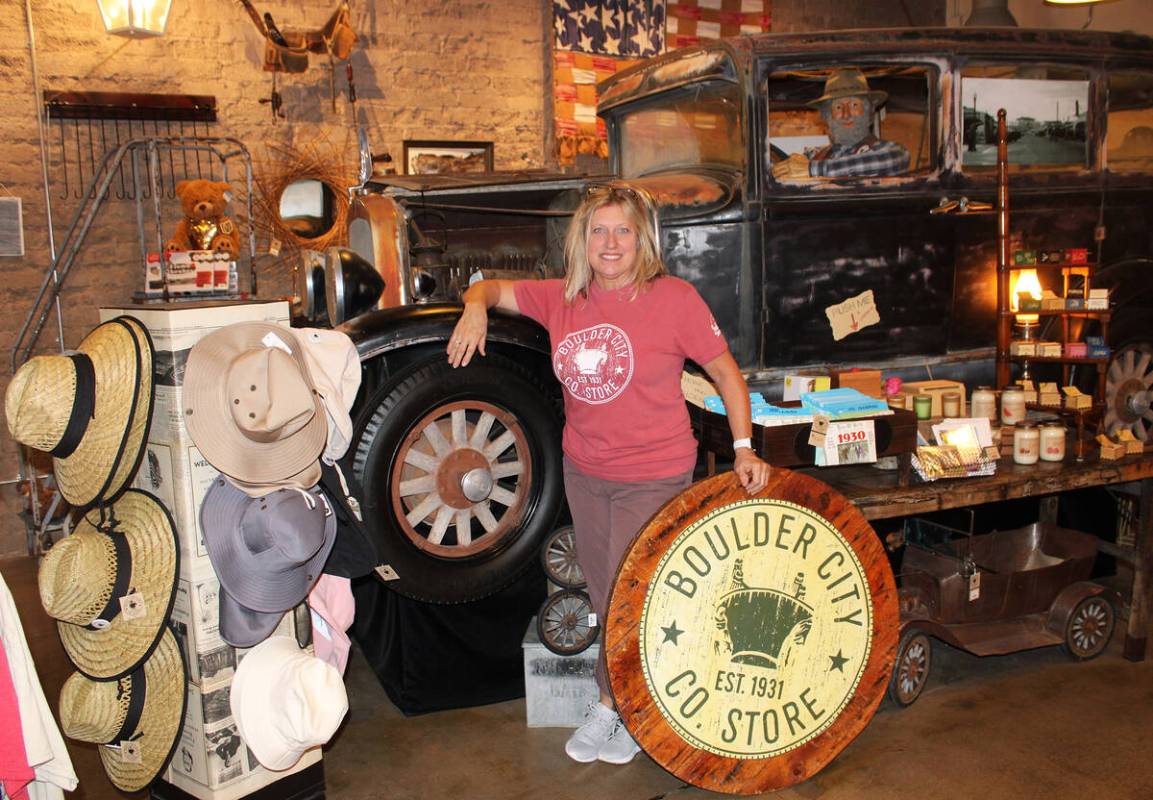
(619, 361)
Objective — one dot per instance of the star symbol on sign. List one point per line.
(672, 632)
(839, 661)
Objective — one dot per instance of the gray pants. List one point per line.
(607, 515)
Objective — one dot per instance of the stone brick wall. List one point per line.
(424, 69)
(434, 69)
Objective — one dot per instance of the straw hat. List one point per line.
(134, 444)
(136, 719)
(250, 404)
(267, 551)
(285, 702)
(849, 82)
(80, 407)
(111, 587)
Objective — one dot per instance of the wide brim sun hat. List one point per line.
(138, 428)
(305, 479)
(136, 720)
(81, 408)
(267, 551)
(286, 702)
(243, 627)
(849, 82)
(250, 405)
(110, 584)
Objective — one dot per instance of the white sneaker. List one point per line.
(620, 747)
(585, 744)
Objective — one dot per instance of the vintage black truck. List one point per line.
(462, 467)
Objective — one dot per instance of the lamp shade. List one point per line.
(136, 18)
(1072, 2)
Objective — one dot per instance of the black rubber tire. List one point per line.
(911, 669)
(562, 622)
(384, 424)
(1089, 629)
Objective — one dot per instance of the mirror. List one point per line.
(307, 208)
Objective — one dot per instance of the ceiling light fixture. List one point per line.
(135, 18)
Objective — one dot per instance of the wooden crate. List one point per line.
(788, 445)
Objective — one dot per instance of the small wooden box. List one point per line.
(865, 381)
(1133, 445)
(1110, 450)
(1074, 399)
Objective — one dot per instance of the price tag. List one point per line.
(132, 606)
(274, 247)
(387, 573)
(850, 442)
(130, 752)
(819, 432)
(592, 619)
(974, 586)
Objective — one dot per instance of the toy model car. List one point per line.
(462, 466)
(994, 594)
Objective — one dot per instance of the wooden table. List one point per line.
(877, 494)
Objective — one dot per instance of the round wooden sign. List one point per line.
(750, 638)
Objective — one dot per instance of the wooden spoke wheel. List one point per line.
(911, 672)
(1089, 628)
(1129, 391)
(559, 559)
(563, 622)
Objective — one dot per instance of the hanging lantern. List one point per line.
(136, 18)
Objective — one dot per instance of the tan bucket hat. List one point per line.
(849, 82)
(110, 585)
(136, 720)
(89, 409)
(250, 404)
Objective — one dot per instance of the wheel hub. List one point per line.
(464, 478)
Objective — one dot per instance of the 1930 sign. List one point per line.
(750, 639)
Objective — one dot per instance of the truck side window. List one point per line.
(1045, 116)
(839, 123)
(1129, 145)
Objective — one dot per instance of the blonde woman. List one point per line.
(620, 329)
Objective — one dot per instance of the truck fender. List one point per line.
(1068, 599)
(379, 332)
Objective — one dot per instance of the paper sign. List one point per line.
(696, 389)
(851, 442)
(853, 315)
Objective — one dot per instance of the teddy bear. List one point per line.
(205, 226)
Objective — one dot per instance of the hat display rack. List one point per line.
(111, 582)
(268, 407)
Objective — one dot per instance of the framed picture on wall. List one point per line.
(422, 157)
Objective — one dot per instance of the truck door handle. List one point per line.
(962, 205)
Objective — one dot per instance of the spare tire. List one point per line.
(462, 476)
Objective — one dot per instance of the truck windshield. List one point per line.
(699, 124)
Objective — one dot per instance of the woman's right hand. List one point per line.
(469, 334)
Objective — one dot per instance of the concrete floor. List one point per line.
(1033, 724)
(1030, 725)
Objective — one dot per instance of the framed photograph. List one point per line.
(436, 158)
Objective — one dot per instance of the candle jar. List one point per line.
(923, 406)
(1026, 443)
(1012, 404)
(983, 403)
(1052, 442)
(951, 404)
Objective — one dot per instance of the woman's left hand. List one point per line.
(753, 472)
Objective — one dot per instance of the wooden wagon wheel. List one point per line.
(750, 639)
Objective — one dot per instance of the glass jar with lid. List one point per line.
(983, 403)
(1026, 443)
(1012, 404)
(1052, 441)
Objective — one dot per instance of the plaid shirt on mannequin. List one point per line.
(871, 157)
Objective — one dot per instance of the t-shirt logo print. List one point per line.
(594, 364)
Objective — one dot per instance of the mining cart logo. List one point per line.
(756, 628)
(595, 364)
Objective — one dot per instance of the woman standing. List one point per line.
(621, 330)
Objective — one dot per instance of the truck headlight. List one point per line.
(351, 285)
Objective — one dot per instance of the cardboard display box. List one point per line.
(936, 390)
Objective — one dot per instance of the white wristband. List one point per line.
(739, 443)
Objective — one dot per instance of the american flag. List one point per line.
(632, 28)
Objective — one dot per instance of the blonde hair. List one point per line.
(640, 209)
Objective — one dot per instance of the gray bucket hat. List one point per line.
(267, 551)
